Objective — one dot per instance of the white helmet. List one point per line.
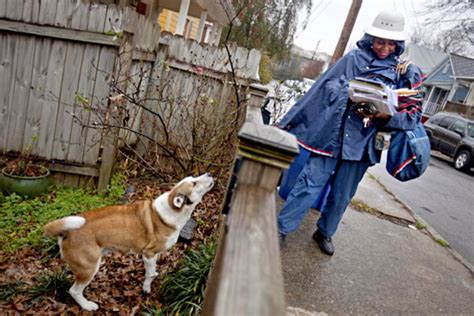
(388, 25)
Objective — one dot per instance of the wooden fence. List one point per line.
(54, 52)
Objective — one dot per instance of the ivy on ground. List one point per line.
(23, 219)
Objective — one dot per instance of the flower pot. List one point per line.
(25, 186)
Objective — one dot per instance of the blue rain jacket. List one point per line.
(322, 120)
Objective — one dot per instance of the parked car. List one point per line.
(452, 135)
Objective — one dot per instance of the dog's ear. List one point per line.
(179, 200)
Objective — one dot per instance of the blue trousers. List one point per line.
(290, 176)
(344, 177)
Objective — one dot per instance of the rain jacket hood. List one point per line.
(317, 119)
(365, 44)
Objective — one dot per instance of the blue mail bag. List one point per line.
(408, 154)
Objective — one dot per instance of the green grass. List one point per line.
(182, 290)
(23, 219)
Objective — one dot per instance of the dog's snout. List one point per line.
(208, 174)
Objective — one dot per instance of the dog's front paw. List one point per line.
(89, 306)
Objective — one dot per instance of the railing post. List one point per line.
(247, 277)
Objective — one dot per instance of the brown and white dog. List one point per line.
(146, 227)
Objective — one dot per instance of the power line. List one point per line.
(428, 54)
(314, 18)
(310, 14)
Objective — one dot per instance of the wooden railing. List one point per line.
(246, 278)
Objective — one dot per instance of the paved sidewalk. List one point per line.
(379, 267)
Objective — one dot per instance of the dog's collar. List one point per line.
(161, 217)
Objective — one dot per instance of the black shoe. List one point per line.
(324, 243)
(281, 239)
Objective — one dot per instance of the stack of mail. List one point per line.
(362, 90)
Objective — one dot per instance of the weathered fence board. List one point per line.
(7, 70)
(37, 93)
(214, 58)
(99, 99)
(35, 10)
(80, 16)
(96, 18)
(47, 13)
(3, 8)
(78, 141)
(140, 77)
(19, 100)
(27, 11)
(52, 92)
(64, 126)
(14, 9)
(54, 32)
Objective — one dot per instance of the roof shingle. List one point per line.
(462, 66)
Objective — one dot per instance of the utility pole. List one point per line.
(347, 30)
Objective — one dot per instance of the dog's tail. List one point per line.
(63, 225)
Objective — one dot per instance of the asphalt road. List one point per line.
(443, 197)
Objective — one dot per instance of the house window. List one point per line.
(438, 96)
(434, 96)
(428, 90)
(460, 95)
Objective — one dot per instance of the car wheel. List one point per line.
(462, 160)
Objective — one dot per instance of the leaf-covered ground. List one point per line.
(117, 285)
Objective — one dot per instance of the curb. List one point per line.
(430, 230)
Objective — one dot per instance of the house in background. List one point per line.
(200, 20)
(451, 81)
(307, 56)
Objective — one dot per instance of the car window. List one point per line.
(470, 130)
(446, 122)
(459, 126)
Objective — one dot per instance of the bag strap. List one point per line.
(402, 67)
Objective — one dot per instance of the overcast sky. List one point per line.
(328, 17)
